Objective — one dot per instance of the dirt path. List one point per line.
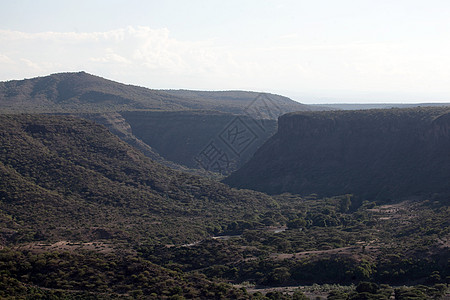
(351, 250)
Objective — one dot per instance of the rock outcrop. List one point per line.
(377, 154)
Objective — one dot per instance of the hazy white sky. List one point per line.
(313, 51)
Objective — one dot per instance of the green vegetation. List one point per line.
(61, 171)
(389, 244)
(101, 276)
(368, 290)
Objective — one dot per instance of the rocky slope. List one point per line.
(377, 154)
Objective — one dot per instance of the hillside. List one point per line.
(377, 154)
(75, 201)
(82, 92)
(85, 93)
(270, 106)
(61, 171)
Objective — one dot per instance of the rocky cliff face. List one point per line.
(190, 138)
(377, 154)
(441, 127)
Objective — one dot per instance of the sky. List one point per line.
(321, 51)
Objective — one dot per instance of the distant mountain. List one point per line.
(257, 105)
(82, 92)
(377, 154)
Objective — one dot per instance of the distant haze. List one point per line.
(321, 51)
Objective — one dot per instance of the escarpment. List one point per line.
(376, 154)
